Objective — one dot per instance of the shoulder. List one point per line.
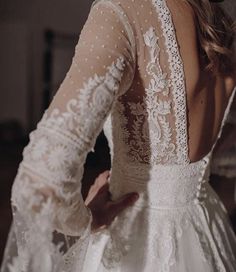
(123, 12)
(127, 5)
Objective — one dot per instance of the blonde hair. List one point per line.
(216, 32)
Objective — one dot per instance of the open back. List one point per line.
(207, 95)
(173, 112)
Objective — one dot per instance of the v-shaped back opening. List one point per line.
(185, 125)
(226, 113)
(155, 113)
(177, 80)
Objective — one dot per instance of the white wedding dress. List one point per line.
(127, 77)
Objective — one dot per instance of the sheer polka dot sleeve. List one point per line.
(46, 195)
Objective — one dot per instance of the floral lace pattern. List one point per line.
(151, 114)
(177, 79)
(60, 141)
(152, 137)
(52, 156)
(163, 250)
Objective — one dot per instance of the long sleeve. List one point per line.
(46, 194)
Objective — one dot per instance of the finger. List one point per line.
(98, 228)
(108, 172)
(101, 187)
(92, 190)
(102, 178)
(104, 188)
(103, 193)
(123, 202)
(105, 174)
(100, 181)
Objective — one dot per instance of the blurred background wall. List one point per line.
(22, 26)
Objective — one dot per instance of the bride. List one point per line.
(158, 76)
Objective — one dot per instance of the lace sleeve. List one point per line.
(46, 196)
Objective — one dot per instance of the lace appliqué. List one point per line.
(74, 129)
(177, 80)
(151, 132)
(122, 232)
(53, 163)
(167, 229)
(165, 250)
(162, 148)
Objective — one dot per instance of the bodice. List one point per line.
(162, 186)
(159, 186)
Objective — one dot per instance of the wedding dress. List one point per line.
(127, 77)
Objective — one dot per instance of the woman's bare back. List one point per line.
(207, 95)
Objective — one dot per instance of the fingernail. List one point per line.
(135, 196)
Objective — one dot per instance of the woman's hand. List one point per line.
(103, 209)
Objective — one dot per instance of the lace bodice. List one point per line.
(151, 114)
(127, 75)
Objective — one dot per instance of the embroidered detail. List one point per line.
(177, 80)
(53, 164)
(159, 81)
(156, 124)
(151, 139)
